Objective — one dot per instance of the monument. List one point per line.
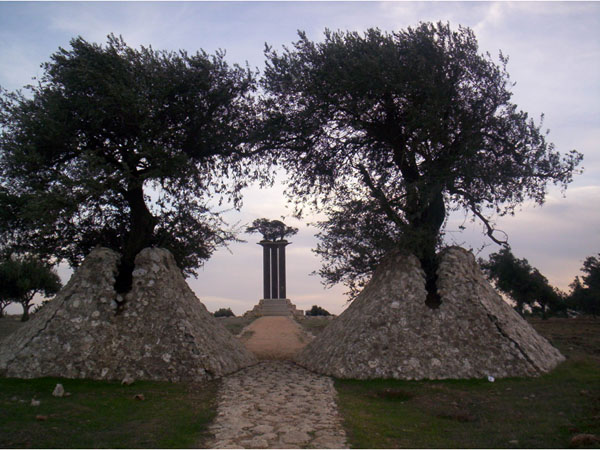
(274, 301)
(163, 333)
(388, 331)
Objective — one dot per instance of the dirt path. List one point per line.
(274, 337)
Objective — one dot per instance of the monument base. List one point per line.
(275, 307)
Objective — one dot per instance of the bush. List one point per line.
(317, 311)
(224, 312)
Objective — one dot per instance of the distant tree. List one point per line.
(317, 311)
(21, 279)
(523, 283)
(402, 127)
(124, 148)
(223, 312)
(271, 230)
(585, 293)
(4, 302)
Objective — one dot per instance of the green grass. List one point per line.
(543, 412)
(314, 325)
(235, 324)
(105, 414)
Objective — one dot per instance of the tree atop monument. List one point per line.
(124, 148)
(399, 128)
(271, 230)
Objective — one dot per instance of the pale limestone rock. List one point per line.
(128, 380)
(59, 391)
(389, 332)
(162, 333)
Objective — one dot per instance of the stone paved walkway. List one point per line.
(277, 404)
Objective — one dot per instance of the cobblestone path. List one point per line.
(277, 404)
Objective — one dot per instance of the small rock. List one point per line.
(14, 399)
(262, 429)
(584, 439)
(41, 418)
(491, 379)
(514, 442)
(127, 381)
(67, 394)
(139, 397)
(59, 391)
(295, 437)
(35, 402)
(584, 392)
(257, 442)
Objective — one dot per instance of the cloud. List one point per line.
(554, 238)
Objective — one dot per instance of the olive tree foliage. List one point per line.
(585, 294)
(271, 230)
(22, 278)
(523, 283)
(125, 148)
(352, 241)
(401, 128)
(224, 312)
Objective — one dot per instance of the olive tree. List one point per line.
(125, 148)
(399, 129)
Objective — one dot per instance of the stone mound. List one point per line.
(389, 332)
(163, 332)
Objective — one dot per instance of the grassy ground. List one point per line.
(314, 325)
(235, 324)
(519, 412)
(104, 415)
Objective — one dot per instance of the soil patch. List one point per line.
(274, 337)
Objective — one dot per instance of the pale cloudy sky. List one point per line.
(554, 50)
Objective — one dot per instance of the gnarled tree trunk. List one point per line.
(139, 237)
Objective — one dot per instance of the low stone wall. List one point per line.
(163, 332)
(389, 332)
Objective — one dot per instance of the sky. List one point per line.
(554, 51)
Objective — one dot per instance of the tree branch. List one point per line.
(380, 197)
(485, 220)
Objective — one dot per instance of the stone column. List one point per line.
(281, 258)
(274, 269)
(266, 271)
(274, 272)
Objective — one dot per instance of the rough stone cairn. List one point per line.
(389, 332)
(162, 333)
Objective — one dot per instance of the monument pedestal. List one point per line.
(275, 307)
(274, 302)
